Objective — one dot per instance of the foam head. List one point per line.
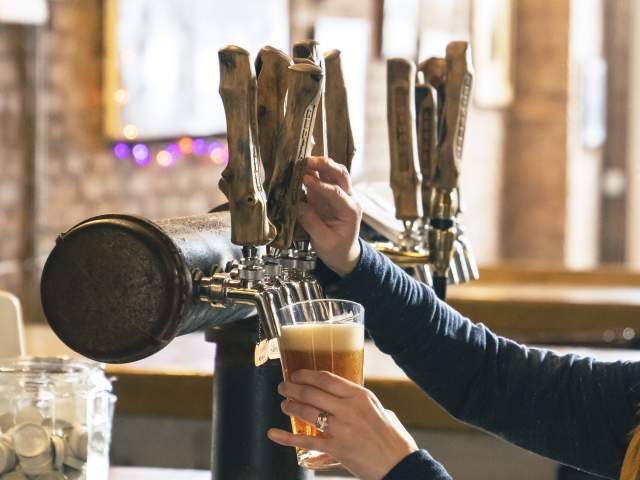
(326, 336)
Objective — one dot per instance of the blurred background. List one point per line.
(112, 106)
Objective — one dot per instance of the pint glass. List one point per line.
(321, 335)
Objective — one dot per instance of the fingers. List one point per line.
(331, 172)
(331, 195)
(301, 441)
(311, 396)
(327, 381)
(300, 410)
(312, 223)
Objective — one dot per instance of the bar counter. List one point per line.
(128, 473)
(541, 312)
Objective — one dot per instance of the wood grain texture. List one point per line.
(271, 70)
(340, 145)
(240, 181)
(310, 50)
(304, 87)
(453, 123)
(406, 179)
(434, 70)
(427, 139)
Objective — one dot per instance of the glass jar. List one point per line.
(55, 419)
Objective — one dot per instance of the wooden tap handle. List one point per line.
(406, 178)
(434, 70)
(339, 135)
(304, 87)
(309, 51)
(240, 180)
(271, 70)
(427, 139)
(458, 94)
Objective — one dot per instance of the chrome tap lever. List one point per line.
(469, 256)
(460, 264)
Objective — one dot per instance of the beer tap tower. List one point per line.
(118, 288)
(425, 184)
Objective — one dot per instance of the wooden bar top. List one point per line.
(130, 473)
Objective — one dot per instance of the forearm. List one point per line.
(576, 411)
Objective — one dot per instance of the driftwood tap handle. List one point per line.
(240, 180)
(458, 94)
(427, 134)
(271, 70)
(304, 87)
(339, 136)
(305, 51)
(401, 115)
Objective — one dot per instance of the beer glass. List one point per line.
(321, 335)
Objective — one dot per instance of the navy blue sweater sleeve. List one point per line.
(418, 465)
(575, 410)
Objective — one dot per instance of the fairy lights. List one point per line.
(121, 151)
(199, 146)
(121, 96)
(174, 151)
(164, 158)
(213, 151)
(130, 132)
(186, 145)
(140, 152)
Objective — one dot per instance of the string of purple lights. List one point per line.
(141, 154)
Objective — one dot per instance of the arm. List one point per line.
(575, 410)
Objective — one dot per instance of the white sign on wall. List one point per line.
(161, 61)
(29, 12)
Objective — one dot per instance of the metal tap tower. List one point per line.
(426, 112)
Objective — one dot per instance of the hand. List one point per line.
(367, 439)
(331, 216)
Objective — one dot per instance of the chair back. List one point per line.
(11, 330)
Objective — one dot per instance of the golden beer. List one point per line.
(334, 347)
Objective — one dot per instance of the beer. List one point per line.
(335, 347)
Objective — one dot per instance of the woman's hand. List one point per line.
(367, 439)
(331, 216)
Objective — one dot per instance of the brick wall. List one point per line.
(12, 176)
(76, 174)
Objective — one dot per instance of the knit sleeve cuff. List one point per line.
(418, 465)
(351, 284)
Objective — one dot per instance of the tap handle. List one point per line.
(304, 87)
(309, 51)
(401, 115)
(339, 136)
(434, 70)
(458, 94)
(240, 180)
(427, 133)
(271, 69)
